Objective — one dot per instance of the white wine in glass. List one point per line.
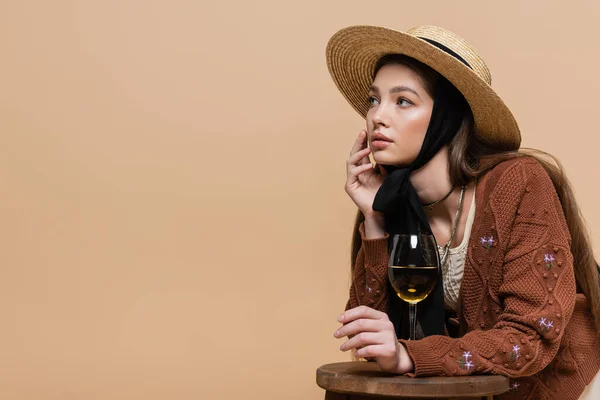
(413, 270)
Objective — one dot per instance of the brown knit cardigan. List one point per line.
(519, 313)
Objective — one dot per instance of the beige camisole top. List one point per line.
(452, 270)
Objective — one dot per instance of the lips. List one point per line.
(379, 136)
(379, 141)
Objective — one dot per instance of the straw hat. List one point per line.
(353, 52)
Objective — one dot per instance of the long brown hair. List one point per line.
(470, 157)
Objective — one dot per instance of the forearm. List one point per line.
(369, 277)
(508, 352)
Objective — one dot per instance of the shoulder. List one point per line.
(514, 177)
(517, 203)
(521, 190)
(524, 166)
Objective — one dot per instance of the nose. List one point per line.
(381, 116)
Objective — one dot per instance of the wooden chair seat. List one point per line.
(363, 380)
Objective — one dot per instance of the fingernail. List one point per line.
(337, 333)
(342, 346)
(341, 318)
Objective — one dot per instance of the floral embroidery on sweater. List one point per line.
(514, 354)
(465, 361)
(549, 260)
(545, 325)
(487, 242)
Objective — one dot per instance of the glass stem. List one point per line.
(412, 319)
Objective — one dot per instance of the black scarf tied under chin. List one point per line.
(403, 211)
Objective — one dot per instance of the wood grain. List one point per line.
(367, 379)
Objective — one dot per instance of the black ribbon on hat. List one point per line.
(397, 199)
(447, 50)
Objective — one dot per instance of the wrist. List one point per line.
(405, 363)
(374, 226)
(374, 216)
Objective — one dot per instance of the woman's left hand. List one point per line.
(372, 333)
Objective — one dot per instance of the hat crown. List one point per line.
(456, 44)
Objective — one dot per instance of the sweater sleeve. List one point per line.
(536, 295)
(369, 277)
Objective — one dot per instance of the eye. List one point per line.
(373, 101)
(404, 102)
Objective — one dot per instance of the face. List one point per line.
(400, 111)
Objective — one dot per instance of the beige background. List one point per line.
(174, 224)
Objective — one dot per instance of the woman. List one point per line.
(519, 293)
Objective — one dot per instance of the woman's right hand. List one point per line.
(363, 182)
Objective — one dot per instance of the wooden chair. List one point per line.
(365, 380)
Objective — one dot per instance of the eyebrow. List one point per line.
(395, 89)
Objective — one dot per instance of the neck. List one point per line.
(432, 182)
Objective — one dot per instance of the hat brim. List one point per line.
(353, 52)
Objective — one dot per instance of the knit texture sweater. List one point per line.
(519, 313)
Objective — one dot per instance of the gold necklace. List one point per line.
(430, 205)
(454, 225)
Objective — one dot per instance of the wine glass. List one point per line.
(413, 270)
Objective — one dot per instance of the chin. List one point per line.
(386, 159)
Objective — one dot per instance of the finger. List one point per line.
(358, 326)
(360, 142)
(362, 340)
(355, 172)
(359, 157)
(355, 159)
(365, 159)
(361, 312)
(375, 350)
